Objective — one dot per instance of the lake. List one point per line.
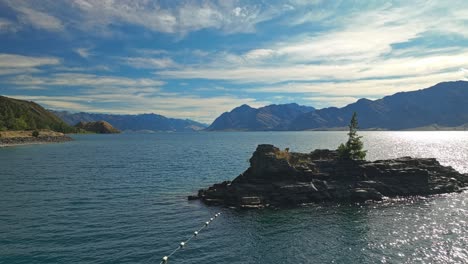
(122, 199)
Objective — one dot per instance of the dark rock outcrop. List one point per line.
(280, 178)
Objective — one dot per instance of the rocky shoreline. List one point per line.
(282, 178)
(16, 141)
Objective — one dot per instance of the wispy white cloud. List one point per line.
(150, 63)
(36, 18)
(96, 68)
(381, 68)
(326, 101)
(355, 57)
(182, 18)
(12, 64)
(150, 52)
(83, 52)
(374, 88)
(14, 71)
(81, 79)
(259, 54)
(20, 61)
(8, 26)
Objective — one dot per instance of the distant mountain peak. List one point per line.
(444, 104)
(243, 108)
(100, 127)
(270, 117)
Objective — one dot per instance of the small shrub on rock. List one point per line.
(35, 133)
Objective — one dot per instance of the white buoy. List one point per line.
(207, 223)
(165, 258)
(182, 244)
(211, 219)
(195, 233)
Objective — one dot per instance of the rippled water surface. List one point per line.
(122, 199)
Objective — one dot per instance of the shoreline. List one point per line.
(22, 141)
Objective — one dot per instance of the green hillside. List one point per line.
(23, 115)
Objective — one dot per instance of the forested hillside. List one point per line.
(23, 115)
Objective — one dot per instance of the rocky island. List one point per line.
(282, 178)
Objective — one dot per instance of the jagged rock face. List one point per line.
(278, 178)
(268, 163)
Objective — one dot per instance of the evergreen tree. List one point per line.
(353, 149)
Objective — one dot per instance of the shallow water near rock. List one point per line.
(122, 199)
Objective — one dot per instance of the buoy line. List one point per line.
(182, 244)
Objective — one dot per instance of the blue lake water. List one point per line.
(122, 199)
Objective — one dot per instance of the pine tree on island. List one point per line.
(354, 147)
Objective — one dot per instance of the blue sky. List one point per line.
(197, 59)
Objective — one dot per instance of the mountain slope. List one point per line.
(271, 117)
(152, 122)
(100, 127)
(445, 104)
(24, 115)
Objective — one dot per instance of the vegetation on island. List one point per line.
(354, 147)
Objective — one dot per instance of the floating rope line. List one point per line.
(182, 244)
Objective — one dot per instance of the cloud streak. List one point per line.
(83, 80)
(34, 17)
(150, 63)
(182, 18)
(12, 64)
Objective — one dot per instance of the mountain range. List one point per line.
(141, 122)
(271, 117)
(442, 105)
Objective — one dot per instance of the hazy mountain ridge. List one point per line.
(152, 122)
(444, 105)
(271, 117)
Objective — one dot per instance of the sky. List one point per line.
(198, 59)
